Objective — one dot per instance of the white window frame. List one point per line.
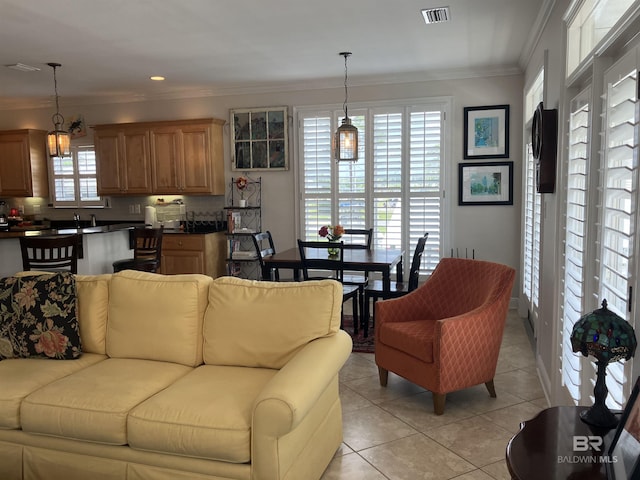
(334, 111)
(76, 176)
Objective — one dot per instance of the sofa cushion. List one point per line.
(205, 414)
(157, 317)
(93, 309)
(19, 377)
(39, 317)
(263, 324)
(414, 337)
(93, 403)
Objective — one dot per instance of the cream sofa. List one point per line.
(182, 377)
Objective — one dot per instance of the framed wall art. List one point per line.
(259, 139)
(487, 183)
(486, 132)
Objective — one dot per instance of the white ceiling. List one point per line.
(109, 48)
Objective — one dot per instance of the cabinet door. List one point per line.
(196, 154)
(137, 161)
(110, 176)
(166, 159)
(15, 169)
(182, 261)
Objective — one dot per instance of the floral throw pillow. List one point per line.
(6, 316)
(43, 320)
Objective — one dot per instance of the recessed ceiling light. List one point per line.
(157, 78)
(23, 67)
(436, 15)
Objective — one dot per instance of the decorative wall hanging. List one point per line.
(544, 142)
(488, 183)
(486, 132)
(259, 139)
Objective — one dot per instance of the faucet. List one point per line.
(76, 219)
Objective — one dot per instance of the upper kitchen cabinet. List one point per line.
(187, 157)
(123, 159)
(23, 163)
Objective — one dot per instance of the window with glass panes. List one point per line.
(74, 179)
(396, 186)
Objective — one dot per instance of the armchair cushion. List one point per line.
(415, 338)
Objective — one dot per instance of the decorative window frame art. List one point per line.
(486, 132)
(259, 139)
(486, 183)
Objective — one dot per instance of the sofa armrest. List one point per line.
(293, 391)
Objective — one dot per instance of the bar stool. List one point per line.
(50, 253)
(147, 251)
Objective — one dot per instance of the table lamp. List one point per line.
(609, 338)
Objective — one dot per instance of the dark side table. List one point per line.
(544, 448)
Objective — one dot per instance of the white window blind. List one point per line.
(617, 210)
(396, 185)
(532, 205)
(575, 244)
(74, 178)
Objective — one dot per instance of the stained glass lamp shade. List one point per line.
(609, 338)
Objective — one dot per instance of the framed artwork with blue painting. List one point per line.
(486, 132)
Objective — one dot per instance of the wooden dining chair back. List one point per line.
(358, 238)
(50, 253)
(147, 251)
(263, 243)
(375, 290)
(316, 261)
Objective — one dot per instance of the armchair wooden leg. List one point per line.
(383, 373)
(492, 389)
(438, 403)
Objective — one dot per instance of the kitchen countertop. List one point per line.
(38, 232)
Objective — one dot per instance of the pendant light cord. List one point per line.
(58, 120)
(346, 91)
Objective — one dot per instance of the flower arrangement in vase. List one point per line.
(333, 233)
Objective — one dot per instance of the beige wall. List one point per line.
(493, 232)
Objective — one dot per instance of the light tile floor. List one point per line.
(392, 433)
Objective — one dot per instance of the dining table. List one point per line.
(382, 260)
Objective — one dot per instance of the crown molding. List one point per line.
(23, 103)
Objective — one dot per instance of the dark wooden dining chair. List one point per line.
(357, 239)
(318, 265)
(59, 253)
(375, 289)
(147, 251)
(263, 243)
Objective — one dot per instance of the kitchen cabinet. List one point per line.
(160, 158)
(187, 157)
(123, 160)
(194, 253)
(23, 163)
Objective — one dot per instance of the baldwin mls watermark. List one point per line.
(586, 443)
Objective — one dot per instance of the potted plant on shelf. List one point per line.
(241, 185)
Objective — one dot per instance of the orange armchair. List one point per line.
(446, 334)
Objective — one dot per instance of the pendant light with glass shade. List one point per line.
(58, 140)
(346, 140)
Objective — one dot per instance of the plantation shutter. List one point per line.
(396, 186)
(575, 244)
(617, 212)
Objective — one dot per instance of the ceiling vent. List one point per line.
(436, 15)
